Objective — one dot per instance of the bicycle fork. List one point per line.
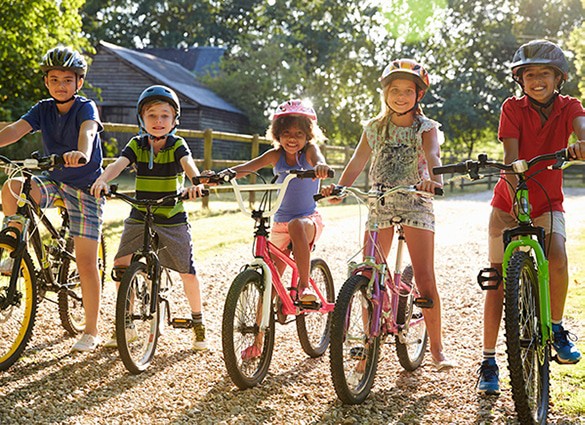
(259, 263)
(543, 280)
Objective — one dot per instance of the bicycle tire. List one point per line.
(313, 328)
(528, 359)
(16, 321)
(137, 330)
(351, 349)
(411, 340)
(71, 311)
(240, 328)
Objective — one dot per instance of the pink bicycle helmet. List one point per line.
(294, 107)
(406, 68)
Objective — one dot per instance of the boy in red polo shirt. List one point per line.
(539, 122)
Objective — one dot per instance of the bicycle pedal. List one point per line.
(422, 302)
(310, 305)
(493, 275)
(182, 323)
(556, 359)
(357, 353)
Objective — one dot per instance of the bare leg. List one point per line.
(86, 254)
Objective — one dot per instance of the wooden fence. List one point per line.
(337, 157)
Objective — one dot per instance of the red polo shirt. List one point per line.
(519, 120)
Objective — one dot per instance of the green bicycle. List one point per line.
(525, 273)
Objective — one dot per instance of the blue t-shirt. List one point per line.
(60, 134)
(298, 200)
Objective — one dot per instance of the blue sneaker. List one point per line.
(488, 381)
(567, 352)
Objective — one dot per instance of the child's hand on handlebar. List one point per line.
(428, 186)
(322, 170)
(193, 192)
(327, 191)
(99, 188)
(74, 159)
(577, 150)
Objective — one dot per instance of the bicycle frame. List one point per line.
(385, 303)
(525, 233)
(264, 249)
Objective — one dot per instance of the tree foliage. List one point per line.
(28, 28)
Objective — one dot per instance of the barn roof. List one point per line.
(173, 75)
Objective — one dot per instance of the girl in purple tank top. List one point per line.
(295, 134)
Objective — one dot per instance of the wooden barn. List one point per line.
(121, 74)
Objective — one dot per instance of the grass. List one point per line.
(568, 382)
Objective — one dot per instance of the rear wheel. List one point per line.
(17, 317)
(411, 340)
(313, 327)
(353, 352)
(136, 325)
(247, 350)
(71, 311)
(528, 358)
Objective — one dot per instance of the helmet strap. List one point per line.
(543, 106)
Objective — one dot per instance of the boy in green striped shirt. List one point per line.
(161, 160)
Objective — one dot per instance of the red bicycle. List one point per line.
(258, 294)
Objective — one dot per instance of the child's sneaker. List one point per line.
(6, 266)
(567, 352)
(131, 336)
(199, 343)
(86, 343)
(489, 382)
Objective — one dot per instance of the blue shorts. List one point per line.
(85, 211)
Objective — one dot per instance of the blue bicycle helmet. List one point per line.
(158, 93)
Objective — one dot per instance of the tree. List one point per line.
(28, 28)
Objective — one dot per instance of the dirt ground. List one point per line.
(50, 386)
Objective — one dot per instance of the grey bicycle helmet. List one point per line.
(64, 59)
(158, 93)
(540, 52)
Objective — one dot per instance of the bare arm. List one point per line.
(432, 151)
(14, 132)
(511, 149)
(317, 160)
(577, 150)
(110, 173)
(270, 157)
(87, 133)
(191, 171)
(357, 162)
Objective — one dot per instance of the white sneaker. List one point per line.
(131, 336)
(6, 266)
(86, 343)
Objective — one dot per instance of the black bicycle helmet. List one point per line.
(540, 52)
(64, 59)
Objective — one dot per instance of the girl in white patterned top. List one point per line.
(403, 145)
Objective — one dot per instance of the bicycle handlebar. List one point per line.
(148, 202)
(341, 191)
(519, 166)
(38, 162)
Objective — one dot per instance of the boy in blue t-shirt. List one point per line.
(70, 127)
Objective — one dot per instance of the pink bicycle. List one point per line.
(258, 294)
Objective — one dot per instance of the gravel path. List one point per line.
(49, 386)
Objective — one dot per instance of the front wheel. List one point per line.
(353, 352)
(411, 340)
(312, 326)
(528, 358)
(136, 325)
(247, 350)
(17, 314)
(71, 311)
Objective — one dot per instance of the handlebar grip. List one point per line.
(439, 191)
(460, 168)
(317, 196)
(310, 174)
